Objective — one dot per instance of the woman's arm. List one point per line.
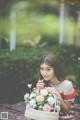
(65, 105)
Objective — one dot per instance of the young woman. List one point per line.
(53, 77)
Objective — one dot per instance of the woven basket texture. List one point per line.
(41, 115)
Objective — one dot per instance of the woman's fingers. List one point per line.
(52, 91)
(40, 81)
(40, 84)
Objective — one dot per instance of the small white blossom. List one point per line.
(57, 108)
(32, 95)
(32, 103)
(29, 85)
(26, 96)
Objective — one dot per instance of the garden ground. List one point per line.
(16, 111)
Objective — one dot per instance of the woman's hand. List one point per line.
(40, 84)
(53, 91)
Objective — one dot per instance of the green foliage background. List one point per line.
(20, 67)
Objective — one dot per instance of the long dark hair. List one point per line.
(55, 62)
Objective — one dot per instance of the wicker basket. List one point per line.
(41, 115)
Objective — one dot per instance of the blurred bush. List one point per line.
(20, 67)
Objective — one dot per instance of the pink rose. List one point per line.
(46, 107)
(40, 98)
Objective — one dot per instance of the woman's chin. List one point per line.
(46, 79)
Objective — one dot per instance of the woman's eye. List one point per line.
(48, 69)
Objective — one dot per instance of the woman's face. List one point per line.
(46, 71)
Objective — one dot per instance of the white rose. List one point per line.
(32, 103)
(32, 95)
(44, 92)
(51, 100)
(26, 96)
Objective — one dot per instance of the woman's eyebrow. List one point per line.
(45, 67)
(48, 67)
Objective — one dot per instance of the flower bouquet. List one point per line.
(42, 105)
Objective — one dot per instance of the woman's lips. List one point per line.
(45, 76)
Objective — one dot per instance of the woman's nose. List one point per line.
(44, 73)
